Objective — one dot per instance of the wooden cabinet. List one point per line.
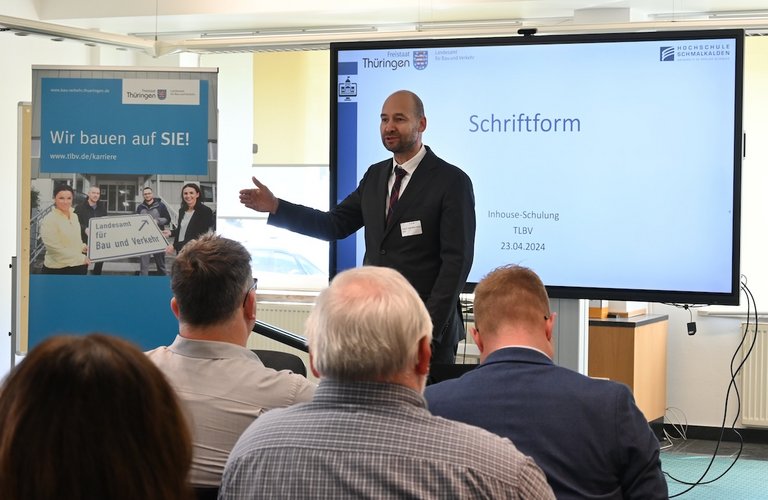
(633, 351)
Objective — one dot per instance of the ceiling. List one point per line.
(201, 15)
(161, 27)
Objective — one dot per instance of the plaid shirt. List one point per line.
(374, 440)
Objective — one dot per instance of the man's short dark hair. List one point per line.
(209, 279)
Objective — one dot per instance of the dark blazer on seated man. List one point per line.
(588, 435)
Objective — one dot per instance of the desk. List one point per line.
(633, 351)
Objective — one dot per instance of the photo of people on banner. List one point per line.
(86, 224)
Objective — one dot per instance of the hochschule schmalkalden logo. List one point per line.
(696, 51)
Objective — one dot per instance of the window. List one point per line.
(288, 118)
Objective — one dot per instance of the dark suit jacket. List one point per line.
(202, 221)
(85, 212)
(436, 262)
(587, 435)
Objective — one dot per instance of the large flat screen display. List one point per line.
(609, 164)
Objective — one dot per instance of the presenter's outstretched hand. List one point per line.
(259, 198)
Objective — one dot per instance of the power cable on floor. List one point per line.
(751, 306)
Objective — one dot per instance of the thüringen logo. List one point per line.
(420, 59)
(667, 54)
(162, 94)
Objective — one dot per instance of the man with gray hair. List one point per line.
(222, 384)
(367, 432)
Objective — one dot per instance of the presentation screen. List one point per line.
(609, 164)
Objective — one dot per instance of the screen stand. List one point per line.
(570, 336)
(14, 312)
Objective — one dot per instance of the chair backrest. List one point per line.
(279, 360)
(206, 492)
(444, 371)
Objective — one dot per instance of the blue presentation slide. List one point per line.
(584, 156)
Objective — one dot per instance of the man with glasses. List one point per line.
(223, 385)
(588, 435)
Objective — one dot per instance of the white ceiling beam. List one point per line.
(58, 32)
(307, 39)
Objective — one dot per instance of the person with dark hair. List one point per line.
(89, 208)
(159, 212)
(367, 433)
(91, 417)
(194, 218)
(587, 435)
(61, 234)
(222, 383)
(418, 212)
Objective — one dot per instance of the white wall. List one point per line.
(698, 366)
(235, 128)
(17, 56)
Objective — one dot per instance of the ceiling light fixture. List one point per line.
(710, 15)
(469, 25)
(740, 14)
(25, 27)
(286, 31)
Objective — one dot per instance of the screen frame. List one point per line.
(730, 297)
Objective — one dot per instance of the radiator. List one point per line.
(286, 315)
(755, 379)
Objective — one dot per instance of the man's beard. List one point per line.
(399, 146)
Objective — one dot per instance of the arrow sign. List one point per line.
(121, 236)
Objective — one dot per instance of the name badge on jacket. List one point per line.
(410, 228)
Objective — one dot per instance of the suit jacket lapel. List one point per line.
(381, 191)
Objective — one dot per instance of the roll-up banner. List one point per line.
(112, 150)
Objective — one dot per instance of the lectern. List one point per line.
(633, 351)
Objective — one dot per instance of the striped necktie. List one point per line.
(395, 194)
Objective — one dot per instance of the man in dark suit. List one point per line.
(89, 208)
(588, 435)
(429, 235)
